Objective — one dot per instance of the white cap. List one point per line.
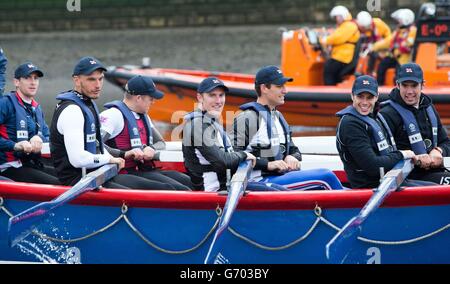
(339, 11)
(364, 19)
(404, 17)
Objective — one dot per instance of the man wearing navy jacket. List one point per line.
(416, 126)
(23, 129)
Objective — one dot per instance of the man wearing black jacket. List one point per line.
(363, 142)
(209, 157)
(416, 126)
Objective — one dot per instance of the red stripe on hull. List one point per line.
(292, 200)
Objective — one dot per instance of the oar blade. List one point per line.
(338, 248)
(22, 224)
(340, 245)
(238, 185)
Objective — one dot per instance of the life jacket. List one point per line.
(377, 133)
(412, 127)
(266, 115)
(21, 117)
(399, 42)
(130, 120)
(90, 125)
(374, 36)
(225, 139)
(207, 168)
(130, 137)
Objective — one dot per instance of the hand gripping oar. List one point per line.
(340, 245)
(22, 224)
(238, 185)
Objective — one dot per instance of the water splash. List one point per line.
(48, 251)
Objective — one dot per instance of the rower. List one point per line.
(262, 130)
(363, 141)
(130, 134)
(23, 128)
(416, 126)
(209, 157)
(75, 131)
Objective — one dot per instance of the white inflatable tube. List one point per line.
(313, 145)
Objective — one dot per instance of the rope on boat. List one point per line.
(317, 212)
(132, 227)
(153, 245)
(320, 218)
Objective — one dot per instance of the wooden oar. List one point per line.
(238, 185)
(340, 245)
(22, 224)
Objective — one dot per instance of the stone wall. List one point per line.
(48, 15)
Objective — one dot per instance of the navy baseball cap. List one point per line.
(26, 69)
(209, 84)
(363, 84)
(87, 65)
(140, 85)
(271, 75)
(410, 72)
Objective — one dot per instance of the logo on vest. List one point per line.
(381, 135)
(412, 127)
(135, 131)
(93, 127)
(22, 123)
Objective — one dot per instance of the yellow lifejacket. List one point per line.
(343, 41)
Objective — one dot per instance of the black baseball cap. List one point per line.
(87, 65)
(271, 75)
(140, 85)
(365, 83)
(24, 70)
(209, 84)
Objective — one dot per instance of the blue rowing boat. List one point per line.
(137, 226)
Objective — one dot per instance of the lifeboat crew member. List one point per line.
(209, 157)
(373, 30)
(416, 126)
(75, 130)
(364, 142)
(23, 130)
(130, 134)
(399, 44)
(343, 42)
(262, 130)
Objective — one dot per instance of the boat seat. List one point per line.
(351, 67)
